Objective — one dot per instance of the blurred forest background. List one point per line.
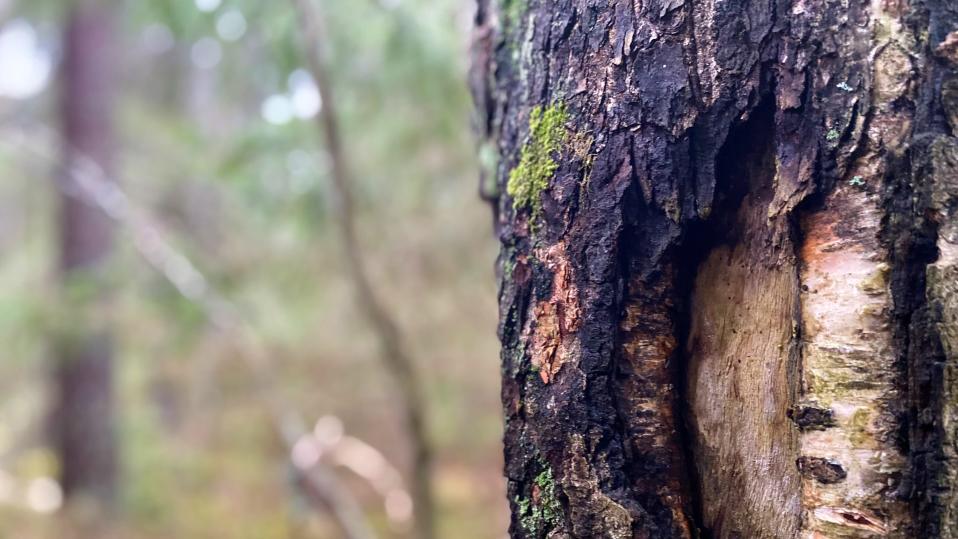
(244, 355)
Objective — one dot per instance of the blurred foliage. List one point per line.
(246, 200)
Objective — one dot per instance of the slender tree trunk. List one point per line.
(84, 412)
(728, 280)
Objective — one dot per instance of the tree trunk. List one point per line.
(83, 422)
(729, 264)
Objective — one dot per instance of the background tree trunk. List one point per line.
(84, 413)
(728, 295)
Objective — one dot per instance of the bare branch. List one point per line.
(394, 354)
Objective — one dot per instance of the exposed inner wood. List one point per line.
(740, 345)
(849, 363)
(741, 355)
(849, 369)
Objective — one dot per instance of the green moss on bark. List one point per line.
(537, 164)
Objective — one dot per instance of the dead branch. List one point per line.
(394, 354)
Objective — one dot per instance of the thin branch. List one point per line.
(395, 357)
(86, 180)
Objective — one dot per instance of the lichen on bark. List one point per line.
(540, 511)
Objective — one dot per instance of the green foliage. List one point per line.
(832, 135)
(537, 164)
(856, 181)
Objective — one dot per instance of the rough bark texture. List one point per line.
(727, 302)
(83, 421)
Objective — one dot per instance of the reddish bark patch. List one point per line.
(556, 319)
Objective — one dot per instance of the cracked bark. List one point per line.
(730, 310)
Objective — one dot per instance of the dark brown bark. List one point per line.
(713, 309)
(83, 417)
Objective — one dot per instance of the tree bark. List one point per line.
(728, 264)
(83, 415)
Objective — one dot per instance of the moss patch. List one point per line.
(542, 511)
(537, 164)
